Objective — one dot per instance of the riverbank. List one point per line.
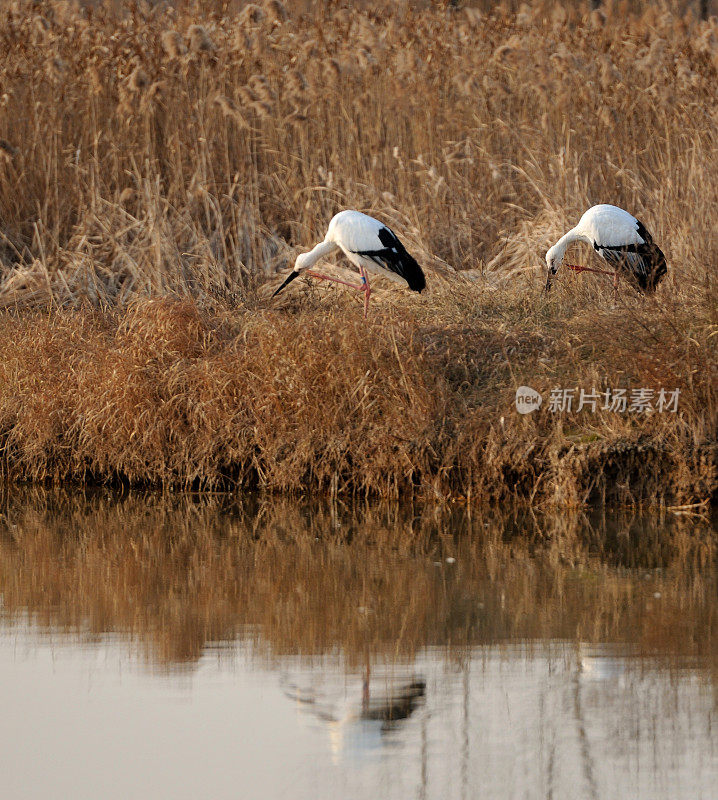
(418, 401)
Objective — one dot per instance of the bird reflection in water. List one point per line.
(357, 717)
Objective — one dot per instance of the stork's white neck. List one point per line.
(559, 249)
(306, 260)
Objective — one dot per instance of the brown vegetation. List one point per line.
(192, 151)
(419, 400)
(175, 573)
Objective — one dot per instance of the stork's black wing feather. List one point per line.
(645, 262)
(394, 257)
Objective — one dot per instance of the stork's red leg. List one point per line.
(367, 290)
(319, 276)
(615, 286)
(363, 287)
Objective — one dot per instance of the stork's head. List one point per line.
(554, 257)
(302, 260)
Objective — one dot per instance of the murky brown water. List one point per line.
(199, 647)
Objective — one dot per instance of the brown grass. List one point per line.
(175, 573)
(191, 152)
(416, 401)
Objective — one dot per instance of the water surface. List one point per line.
(184, 646)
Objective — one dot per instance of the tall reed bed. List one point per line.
(150, 148)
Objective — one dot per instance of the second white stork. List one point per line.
(621, 240)
(371, 246)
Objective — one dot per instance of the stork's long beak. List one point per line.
(292, 275)
(549, 278)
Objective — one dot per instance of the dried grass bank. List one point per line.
(417, 401)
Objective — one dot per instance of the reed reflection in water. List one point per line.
(270, 649)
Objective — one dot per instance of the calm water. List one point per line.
(196, 647)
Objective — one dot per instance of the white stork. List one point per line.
(369, 245)
(621, 240)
